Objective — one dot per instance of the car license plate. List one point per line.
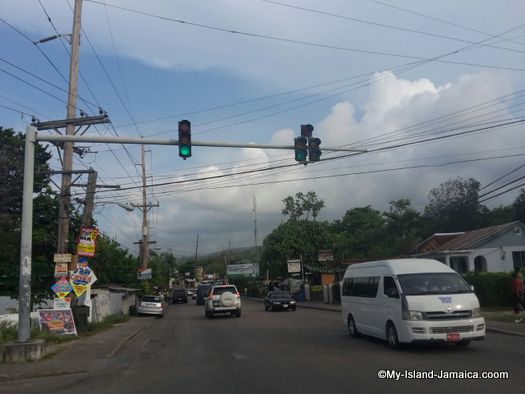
(453, 337)
(285, 305)
(216, 303)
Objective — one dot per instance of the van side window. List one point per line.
(361, 287)
(389, 287)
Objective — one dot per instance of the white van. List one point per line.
(410, 300)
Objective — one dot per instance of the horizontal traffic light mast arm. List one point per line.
(152, 141)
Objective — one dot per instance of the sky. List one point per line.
(426, 90)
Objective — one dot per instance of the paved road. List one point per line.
(282, 352)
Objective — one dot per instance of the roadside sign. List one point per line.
(294, 266)
(87, 241)
(60, 270)
(62, 303)
(82, 278)
(59, 322)
(62, 257)
(144, 274)
(62, 288)
(325, 255)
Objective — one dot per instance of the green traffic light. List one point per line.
(300, 155)
(184, 150)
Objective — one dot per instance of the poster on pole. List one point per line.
(62, 303)
(62, 288)
(144, 274)
(82, 278)
(57, 321)
(61, 270)
(87, 241)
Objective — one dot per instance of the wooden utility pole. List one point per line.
(65, 189)
(87, 214)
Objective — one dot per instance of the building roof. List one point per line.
(467, 240)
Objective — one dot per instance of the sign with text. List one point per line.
(294, 266)
(62, 288)
(59, 322)
(249, 269)
(144, 274)
(62, 257)
(60, 270)
(87, 241)
(82, 278)
(62, 303)
(325, 255)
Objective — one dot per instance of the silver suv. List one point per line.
(223, 299)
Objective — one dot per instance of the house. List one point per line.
(493, 249)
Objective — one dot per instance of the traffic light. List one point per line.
(300, 149)
(185, 139)
(314, 150)
(306, 130)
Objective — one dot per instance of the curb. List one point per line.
(506, 332)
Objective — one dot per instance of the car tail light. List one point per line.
(238, 294)
(210, 294)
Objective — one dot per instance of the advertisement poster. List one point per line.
(81, 278)
(87, 241)
(59, 322)
(60, 270)
(144, 274)
(62, 303)
(62, 288)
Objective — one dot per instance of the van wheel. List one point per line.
(391, 336)
(352, 329)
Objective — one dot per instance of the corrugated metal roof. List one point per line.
(472, 239)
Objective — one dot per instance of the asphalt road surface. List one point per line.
(306, 351)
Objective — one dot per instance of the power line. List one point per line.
(311, 44)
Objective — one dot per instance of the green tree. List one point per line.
(403, 225)
(297, 206)
(453, 206)
(362, 234)
(519, 207)
(12, 147)
(113, 264)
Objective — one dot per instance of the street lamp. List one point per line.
(126, 206)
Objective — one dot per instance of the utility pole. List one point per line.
(87, 214)
(145, 232)
(255, 228)
(65, 189)
(197, 249)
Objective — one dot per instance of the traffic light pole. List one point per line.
(152, 141)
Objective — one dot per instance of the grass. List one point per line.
(8, 332)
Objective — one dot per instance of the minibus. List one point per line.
(409, 301)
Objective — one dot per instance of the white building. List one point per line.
(493, 249)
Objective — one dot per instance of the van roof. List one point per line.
(405, 266)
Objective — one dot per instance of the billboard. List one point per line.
(249, 269)
(57, 321)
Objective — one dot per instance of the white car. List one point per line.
(223, 299)
(151, 305)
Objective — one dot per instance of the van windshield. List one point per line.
(434, 283)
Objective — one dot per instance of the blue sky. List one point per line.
(290, 62)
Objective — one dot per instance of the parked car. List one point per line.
(151, 305)
(279, 299)
(191, 293)
(179, 295)
(223, 299)
(202, 292)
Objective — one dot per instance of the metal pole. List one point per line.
(145, 232)
(64, 203)
(24, 290)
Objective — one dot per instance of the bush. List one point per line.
(492, 288)
(8, 332)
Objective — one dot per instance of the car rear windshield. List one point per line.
(220, 290)
(179, 292)
(151, 299)
(280, 294)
